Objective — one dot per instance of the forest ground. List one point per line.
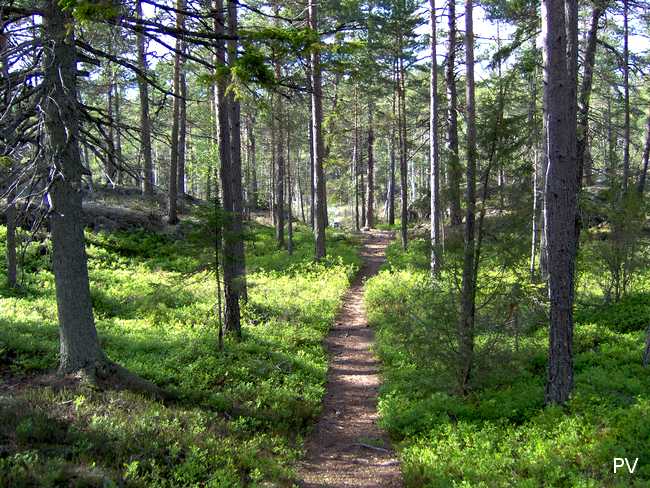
(238, 416)
(501, 434)
(348, 448)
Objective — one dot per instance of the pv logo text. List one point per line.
(620, 463)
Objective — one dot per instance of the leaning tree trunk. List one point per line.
(145, 122)
(454, 170)
(434, 170)
(468, 293)
(320, 210)
(79, 347)
(560, 63)
(583, 108)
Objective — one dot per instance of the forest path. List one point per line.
(347, 447)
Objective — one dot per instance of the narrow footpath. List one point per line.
(347, 447)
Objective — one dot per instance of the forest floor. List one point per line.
(347, 447)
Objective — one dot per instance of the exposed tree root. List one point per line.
(108, 375)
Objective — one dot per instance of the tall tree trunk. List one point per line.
(176, 110)
(111, 161)
(278, 123)
(312, 176)
(235, 165)
(117, 117)
(646, 156)
(289, 191)
(454, 170)
(543, 248)
(538, 177)
(391, 163)
(10, 211)
(252, 162)
(370, 194)
(403, 168)
(355, 163)
(468, 294)
(182, 138)
(362, 192)
(583, 107)
(320, 210)
(279, 178)
(10, 244)
(626, 92)
(79, 347)
(560, 24)
(145, 122)
(434, 170)
(229, 242)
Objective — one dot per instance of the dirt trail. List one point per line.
(347, 448)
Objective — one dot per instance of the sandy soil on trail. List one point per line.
(347, 447)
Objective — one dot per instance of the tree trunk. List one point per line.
(111, 163)
(467, 303)
(79, 347)
(10, 211)
(454, 170)
(538, 177)
(370, 194)
(320, 210)
(434, 170)
(182, 138)
(312, 176)
(235, 166)
(391, 168)
(176, 111)
(118, 133)
(145, 123)
(253, 191)
(279, 178)
(583, 107)
(646, 156)
(560, 63)
(403, 145)
(626, 92)
(10, 215)
(229, 242)
(355, 164)
(289, 192)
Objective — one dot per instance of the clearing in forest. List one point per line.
(347, 447)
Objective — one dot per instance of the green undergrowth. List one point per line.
(239, 415)
(500, 434)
